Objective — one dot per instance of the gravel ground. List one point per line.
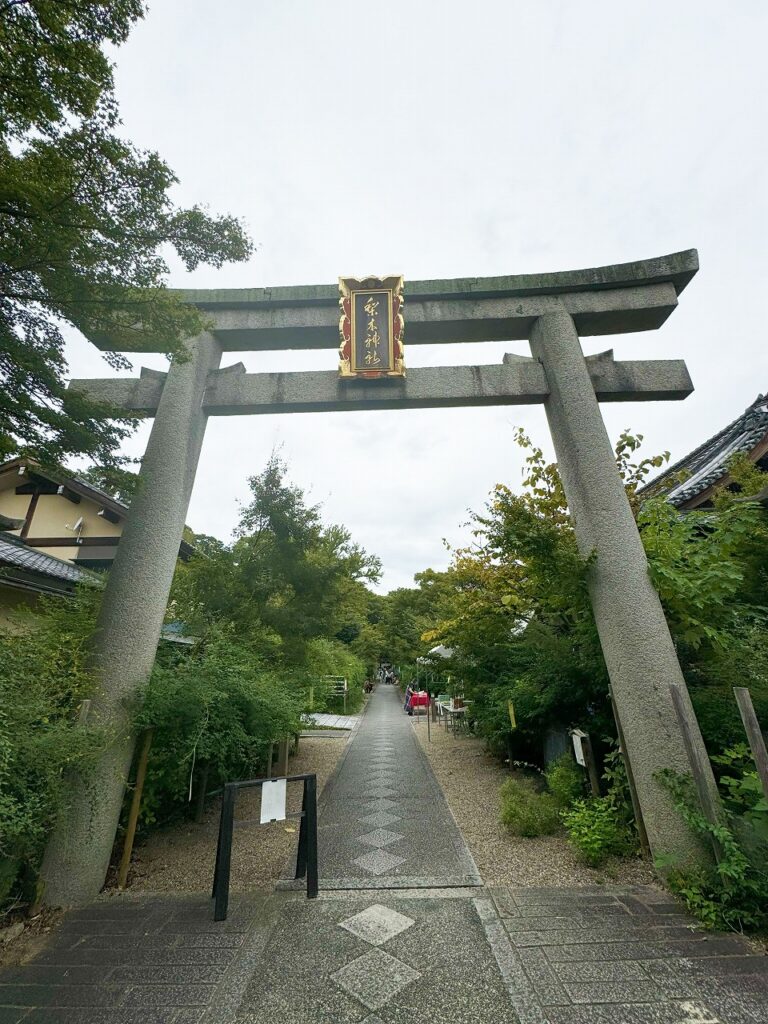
(181, 858)
(471, 781)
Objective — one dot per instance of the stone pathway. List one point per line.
(403, 931)
(384, 821)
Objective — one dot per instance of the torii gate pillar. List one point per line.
(634, 635)
(551, 311)
(128, 629)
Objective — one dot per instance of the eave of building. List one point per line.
(72, 483)
(708, 464)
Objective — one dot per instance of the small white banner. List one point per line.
(273, 801)
(577, 735)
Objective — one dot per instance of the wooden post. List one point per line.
(202, 786)
(642, 835)
(754, 735)
(429, 719)
(710, 809)
(270, 756)
(589, 757)
(282, 757)
(133, 815)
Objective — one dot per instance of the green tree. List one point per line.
(522, 623)
(84, 220)
(285, 581)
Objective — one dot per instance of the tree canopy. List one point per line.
(85, 217)
(515, 608)
(286, 581)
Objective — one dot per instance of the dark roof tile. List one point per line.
(16, 553)
(708, 463)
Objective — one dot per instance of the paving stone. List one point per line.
(130, 941)
(55, 974)
(169, 995)
(579, 1015)
(537, 924)
(521, 992)
(664, 933)
(710, 947)
(707, 966)
(380, 818)
(210, 940)
(117, 956)
(378, 861)
(51, 1015)
(629, 1013)
(377, 924)
(12, 1014)
(636, 906)
(115, 909)
(569, 899)
(170, 974)
(504, 902)
(485, 909)
(602, 951)
(627, 970)
(374, 804)
(546, 984)
(375, 978)
(573, 910)
(60, 995)
(572, 936)
(614, 992)
(380, 837)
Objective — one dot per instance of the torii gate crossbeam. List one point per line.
(551, 311)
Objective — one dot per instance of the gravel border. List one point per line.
(471, 780)
(181, 858)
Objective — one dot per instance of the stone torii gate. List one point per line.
(551, 311)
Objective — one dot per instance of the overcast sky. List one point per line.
(441, 139)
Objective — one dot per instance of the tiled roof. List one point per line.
(16, 553)
(709, 462)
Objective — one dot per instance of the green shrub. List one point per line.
(596, 831)
(43, 682)
(526, 811)
(565, 781)
(741, 788)
(734, 893)
(214, 715)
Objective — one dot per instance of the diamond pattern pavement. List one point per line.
(379, 819)
(380, 837)
(377, 924)
(375, 977)
(378, 861)
(384, 771)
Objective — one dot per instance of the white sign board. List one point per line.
(577, 735)
(273, 801)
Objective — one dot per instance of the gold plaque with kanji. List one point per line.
(371, 327)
